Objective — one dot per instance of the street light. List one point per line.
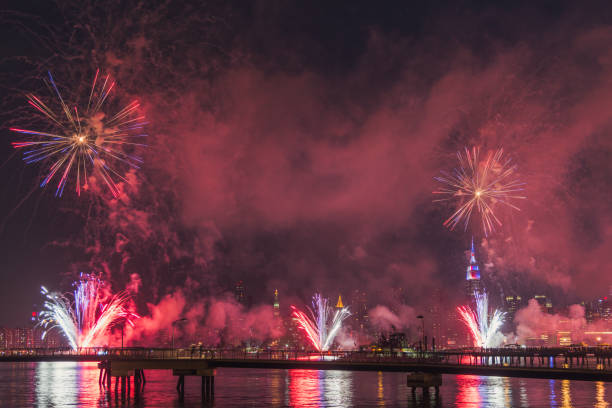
(173, 324)
(122, 325)
(423, 345)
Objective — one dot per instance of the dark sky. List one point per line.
(295, 145)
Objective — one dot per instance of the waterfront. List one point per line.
(59, 384)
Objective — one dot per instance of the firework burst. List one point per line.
(323, 324)
(484, 330)
(480, 184)
(86, 319)
(84, 140)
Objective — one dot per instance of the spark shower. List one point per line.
(87, 319)
(485, 332)
(323, 324)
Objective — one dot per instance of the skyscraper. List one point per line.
(239, 293)
(359, 310)
(276, 305)
(545, 303)
(513, 303)
(605, 309)
(277, 320)
(473, 274)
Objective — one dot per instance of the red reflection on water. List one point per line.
(304, 388)
(467, 391)
(88, 386)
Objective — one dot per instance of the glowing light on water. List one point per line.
(485, 331)
(87, 318)
(84, 140)
(480, 184)
(323, 324)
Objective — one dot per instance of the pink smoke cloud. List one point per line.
(532, 323)
(212, 321)
(381, 317)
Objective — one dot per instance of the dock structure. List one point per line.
(132, 370)
(424, 369)
(424, 381)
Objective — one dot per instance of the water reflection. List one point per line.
(276, 389)
(507, 391)
(62, 384)
(523, 393)
(566, 397)
(467, 391)
(56, 384)
(76, 384)
(304, 388)
(338, 387)
(499, 391)
(553, 396)
(320, 388)
(380, 395)
(600, 395)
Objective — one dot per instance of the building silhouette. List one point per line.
(545, 303)
(513, 304)
(239, 293)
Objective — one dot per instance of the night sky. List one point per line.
(294, 146)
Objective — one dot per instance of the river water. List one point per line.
(65, 384)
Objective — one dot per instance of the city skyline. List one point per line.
(364, 330)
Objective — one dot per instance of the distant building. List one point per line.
(451, 336)
(399, 296)
(435, 313)
(472, 277)
(591, 312)
(239, 293)
(359, 311)
(275, 342)
(293, 338)
(30, 337)
(604, 309)
(545, 303)
(598, 309)
(513, 304)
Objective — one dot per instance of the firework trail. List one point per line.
(480, 184)
(484, 331)
(88, 318)
(321, 328)
(84, 139)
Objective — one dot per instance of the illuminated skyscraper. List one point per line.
(473, 275)
(275, 342)
(339, 304)
(513, 303)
